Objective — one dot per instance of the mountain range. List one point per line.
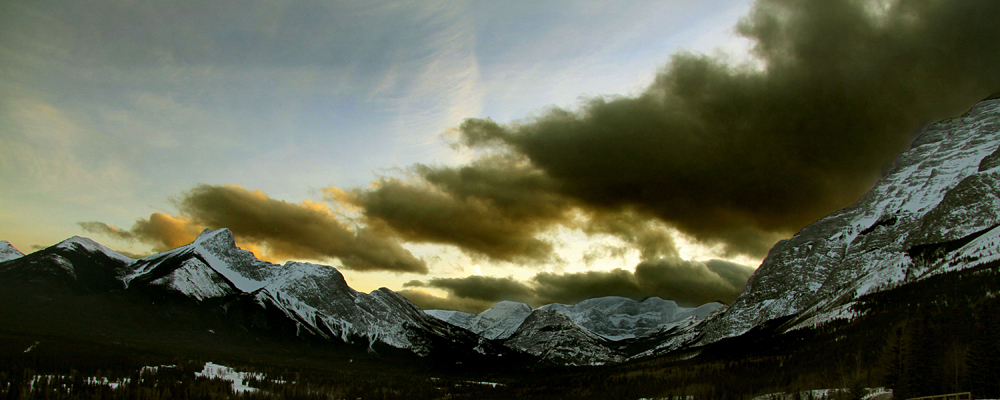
(936, 212)
(212, 275)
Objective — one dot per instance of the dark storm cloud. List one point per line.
(306, 230)
(733, 273)
(741, 156)
(429, 301)
(641, 232)
(689, 283)
(572, 288)
(494, 207)
(485, 288)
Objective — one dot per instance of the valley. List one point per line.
(898, 291)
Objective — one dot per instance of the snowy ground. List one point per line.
(871, 394)
(223, 372)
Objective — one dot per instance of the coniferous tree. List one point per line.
(984, 355)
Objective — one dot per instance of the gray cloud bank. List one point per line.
(688, 283)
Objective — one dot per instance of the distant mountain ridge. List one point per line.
(584, 333)
(611, 317)
(315, 301)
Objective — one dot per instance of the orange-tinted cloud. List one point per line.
(287, 230)
(429, 301)
(163, 231)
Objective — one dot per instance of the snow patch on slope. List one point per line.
(85, 244)
(195, 280)
(945, 188)
(618, 318)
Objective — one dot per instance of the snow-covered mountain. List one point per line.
(617, 318)
(580, 334)
(938, 210)
(552, 336)
(8, 252)
(314, 298)
(612, 317)
(499, 322)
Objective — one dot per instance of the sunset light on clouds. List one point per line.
(464, 153)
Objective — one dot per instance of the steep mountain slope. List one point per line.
(938, 210)
(78, 265)
(552, 336)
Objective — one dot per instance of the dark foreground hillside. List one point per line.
(938, 335)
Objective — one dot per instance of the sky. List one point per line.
(467, 152)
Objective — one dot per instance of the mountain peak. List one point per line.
(8, 251)
(87, 244)
(78, 241)
(509, 306)
(218, 236)
(553, 336)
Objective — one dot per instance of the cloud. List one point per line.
(495, 207)
(429, 301)
(571, 288)
(287, 230)
(742, 156)
(641, 231)
(484, 288)
(693, 282)
(163, 231)
(498, 207)
(689, 283)
(737, 156)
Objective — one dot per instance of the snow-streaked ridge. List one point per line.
(617, 318)
(316, 298)
(87, 244)
(945, 188)
(611, 317)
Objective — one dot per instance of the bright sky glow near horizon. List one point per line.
(137, 123)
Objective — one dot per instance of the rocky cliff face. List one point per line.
(937, 210)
